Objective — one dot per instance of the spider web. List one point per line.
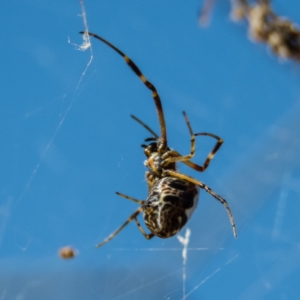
(82, 47)
(69, 144)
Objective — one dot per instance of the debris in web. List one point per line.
(185, 242)
(86, 38)
(86, 44)
(67, 252)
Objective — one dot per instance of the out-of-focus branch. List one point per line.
(265, 26)
(205, 12)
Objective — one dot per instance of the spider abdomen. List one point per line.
(169, 206)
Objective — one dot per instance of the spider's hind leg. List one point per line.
(207, 189)
(110, 237)
(130, 198)
(146, 235)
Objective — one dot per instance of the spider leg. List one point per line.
(146, 235)
(132, 217)
(210, 155)
(148, 84)
(207, 189)
(174, 158)
(145, 126)
(130, 198)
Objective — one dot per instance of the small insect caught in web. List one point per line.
(172, 196)
(67, 252)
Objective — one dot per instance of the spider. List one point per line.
(172, 196)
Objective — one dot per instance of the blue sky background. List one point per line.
(68, 144)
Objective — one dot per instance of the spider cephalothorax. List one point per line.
(172, 196)
(155, 161)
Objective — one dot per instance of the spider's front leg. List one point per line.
(173, 156)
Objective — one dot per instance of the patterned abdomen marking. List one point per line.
(169, 206)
